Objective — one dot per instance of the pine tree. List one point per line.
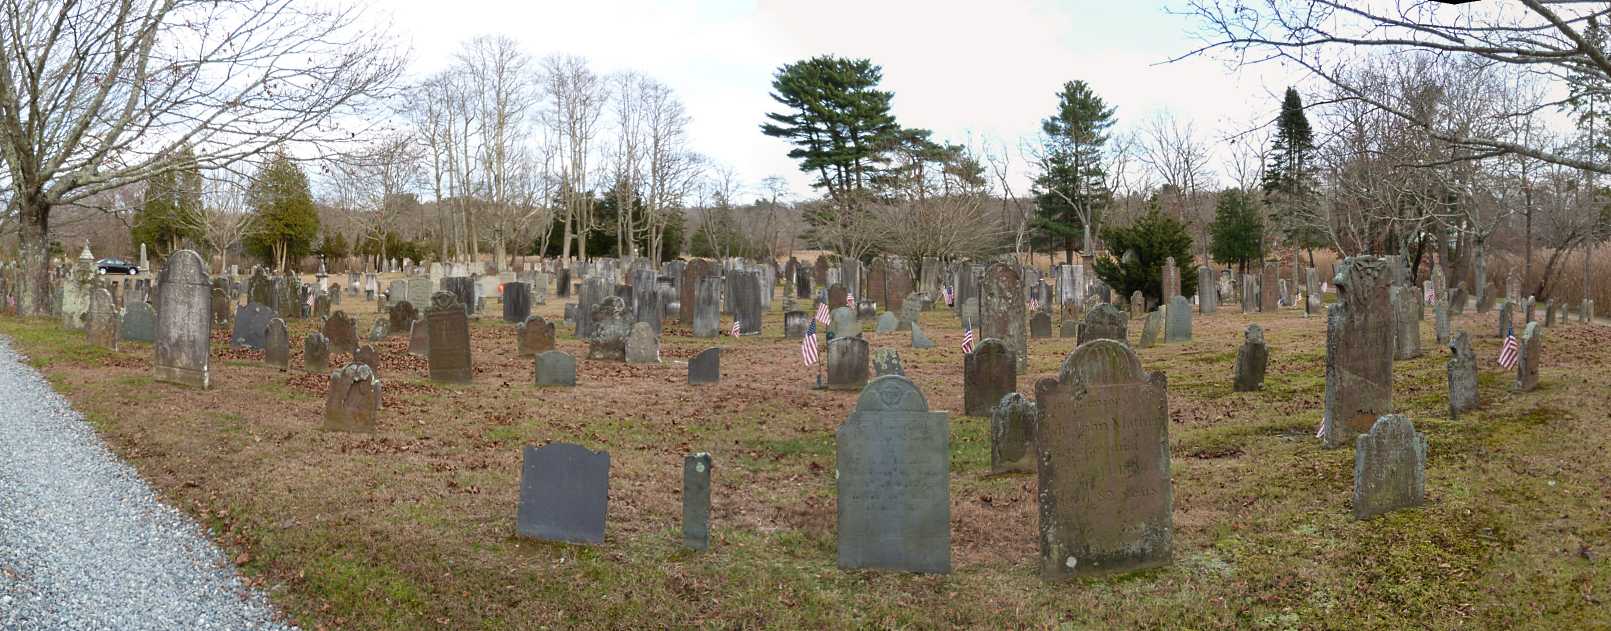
(1072, 185)
(286, 223)
(1237, 233)
(1289, 182)
(171, 212)
(838, 121)
(1153, 237)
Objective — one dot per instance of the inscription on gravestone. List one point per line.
(1359, 350)
(893, 471)
(183, 326)
(449, 330)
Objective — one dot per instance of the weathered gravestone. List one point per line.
(1269, 290)
(101, 319)
(643, 344)
(1207, 292)
(607, 341)
(1171, 280)
(1177, 320)
(260, 288)
(400, 316)
(139, 323)
(886, 323)
(462, 288)
(1406, 327)
(354, 399)
(555, 368)
(1250, 293)
(183, 322)
(316, 353)
(706, 310)
(886, 361)
(747, 302)
(419, 339)
(251, 321)
(794, 324)
(1001, 311)
(1389, 467)
(1040, 325)
(222, 313)
(564, 493)
(847, 363)
(1150, 328)
(843, 323)
(696, 501)
(1102, 447)
(1532, 353)
(1068, 328)
(534, 336)
(919, 340)
(1138, 305)
(1528, 307)
(342, 332)
(378, 330)
(1359, 350)
(1462, 376)
(448, 327)
(1105, 322)
(706, 367)
(368, 356)
(1012, 435)
(1251, 360)
(911, 309)
(516, 302)
(893, 471)
(277, 345)
(1507, 320)
(988, 373)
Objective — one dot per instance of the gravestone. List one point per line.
(1440, 318)
(368, 356)
(1171, 280)
(555, 368)
(1001, 311)
(610, 330)
(139, 323)
(747, 302)
(419, 339)
(1313, 301)
(705, 310)
(316, 353)
(970, 310)
(101, 319)
(893, 477)
(1040, 325)
(847, 363)
(1250, 293)
(1150, 329)
(564, 494)
(1177, 320)
(342, 332)
(837, 296)
(378, 330)
(184, 320)
(1251, 360)
(1389, 467)
(1268, 296)
(462, 288)
(277, 345)
(1549, 313)
(534, 336)
(988, 373)
(1105, 322)
(353, 401)
(1102, 448)
(919, 340)
(1068, 328)
(321, 305)
(448, 328)
(1012, 435)
(516, 302)
(1138, 305)
(260, 288)
(1532, 354)
(696, 501)
(911, 309)
(794, 324)
(1207, 293)
(643, 344)
(1359, 350)
(1406, 327)
(1457, 300)
(706, 367)
(1462, 376)
(1513, 287)
(1507, 319)
(886, 361)
(1528, 307)
(843, 323)
(646, 298)
(251, 321)
(222, 310)
(399, 316)
(887, 323)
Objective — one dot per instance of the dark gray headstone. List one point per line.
(1040, 325)
(139, 323)
(1068, 328)
(1462, 375)
(564, 494)
(223, 310)
(747, 302)
(448, 327)
(368, 356)
(696, 501)
(1151, 328)
(516, 302)
(555, 368)
(342, 332)
(399, 316)
(251, 321)
(463, 290)
(1177, 320)
(1389, 467)
(988, 373)
(707, 308)
(607, 339)
(1012, 435)
(316, 353)
(843, 323)
(1251, 360)
(795, 323)
(706, 367)
(893, 470)
(847, 363)
(353, 401)
(1359, 350)
(886, 361)
(1001, 311)
(1406, 326)
(277, 345)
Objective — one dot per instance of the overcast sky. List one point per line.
(967, 70)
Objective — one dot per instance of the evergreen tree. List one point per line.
(1145, 244)
(286, 222)
(171, 212)
(1237, 233)
(838, 121)
(1072, 185)
(1289, 181)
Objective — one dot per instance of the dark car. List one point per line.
(116, 266)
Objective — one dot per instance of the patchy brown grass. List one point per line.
(413, 527)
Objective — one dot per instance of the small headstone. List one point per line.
(843, 323)
(1389, 467)
(696, 501)
(1177, 320)
(556, 368)
(1012, 435)
(886, 361)
(607, 337)
(1549, 313)
(1138, 305)
(354, 399)
(643, 344)
(564, 494)
(316, 353)
(534, 336)
(795, 323)
(1462, 376)
(887, 323)
(893, 475)
(277, 345)
(919, 340)
(399, 316)
(1532, 354)
(1507, 319)
(911, 309)
(706, 367)
(1151, 328)
(1103, 322)
(139, 323)
(1251, 360)
(988, 373)
(378, 330)
(342, 332)
(222, 313)
(1068, 328)
(1040, 325)
(847, 363)
(1406, 327)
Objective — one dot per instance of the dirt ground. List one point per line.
(413, 526)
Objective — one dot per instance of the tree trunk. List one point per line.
(1480, 262)
(34, 294)
(1588, 249)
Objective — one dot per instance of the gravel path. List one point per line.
(84, 544)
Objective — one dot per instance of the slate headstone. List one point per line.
(643, 344)
(1177, 320)
(342, 332)
(1389, 467)
(516, 302)
(847, 363)
(277, 345)
(1359, 350)
(448, 328)
(843, 323)
(1012, 435)
(1151, 328)
(555, 368)
(1251, 360)
(251, 321)
(794, 324)
(988, 373)
(706, 367)
(1001, 311)
(1462, 375)
(607, 340)
(893, 476)
(316, 353)
(886, 323)
(1406, 327)
(139, 323)
(399, 316)
(696, 501)
(564, 493)
(1040, 325)
(919, 339)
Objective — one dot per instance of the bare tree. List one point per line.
(1175, 152)
(225, 219)
(374, 184)
(576, 98)
(498, 76)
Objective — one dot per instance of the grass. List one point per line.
(412, 527)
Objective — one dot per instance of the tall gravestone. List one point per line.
(1001, 311)
(184, 321)
(564, 493)
(705, 311)
(893, 476)
(1012, 435)
(1177, 320)
(353, 401)
(747, 302)
(516, 302)
(1138, 305)
(101, 319)
(1150, 328)
(1268, 295)
(1251, 360)
(449, 329)
(1105, 322)
(1103, 459)
(1532, 353)
(1462, 368)
(1406, 327)
(1207, 292)
(847, 363)
(696, 501)
(277, 345)
(1389, 467)
(988, 373)
(1359, 350)
(1171, 280)
(646, 298)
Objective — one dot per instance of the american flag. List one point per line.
(735, 326)
(950, 298)
(850, 300)
(808, 346)
(1511, 351)
(1034, 304)
(822, 313)
(967, 339)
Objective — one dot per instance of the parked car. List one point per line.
(116, 266)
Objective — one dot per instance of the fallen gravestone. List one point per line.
(555, 368)
(1389, 467)
(988, 373)
(1012, 435)
(706, 367)
(1251, 360)
(696, 501)
(564, 494)
(893, 470)
(316, 353)
(1462, 375)
(354, 400)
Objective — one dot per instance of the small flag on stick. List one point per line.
(735, 326)
(967, 339)
(1511, 351)
(822, 312)
(808, 346)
